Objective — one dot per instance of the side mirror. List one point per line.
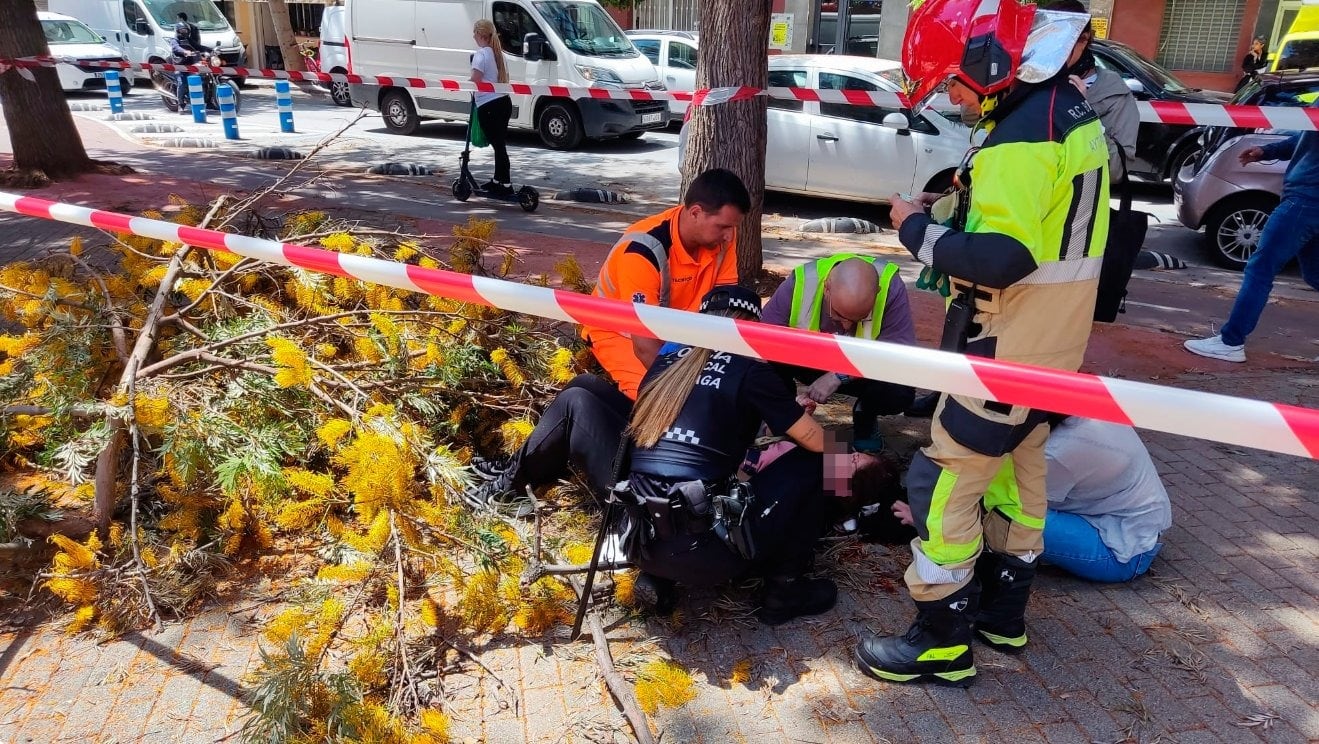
(535, 48)
(142, 28)
(897, 121)
(1135, 86)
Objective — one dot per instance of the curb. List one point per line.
(400, 169)
(277, 153)
(841, 225)
(591, 196)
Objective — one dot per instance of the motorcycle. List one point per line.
(176, 96)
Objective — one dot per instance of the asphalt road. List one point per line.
(645, 169)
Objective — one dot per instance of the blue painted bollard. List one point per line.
(228, 110)
(197, 98)
(114, 91)
(284, 101)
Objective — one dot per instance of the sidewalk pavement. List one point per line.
(1210, 647)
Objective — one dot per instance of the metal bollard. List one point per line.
(228, 111)
(114, 91)
(197, 98)
(284, 102)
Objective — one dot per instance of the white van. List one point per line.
(139, 28)
(333, 53)
(68, 37)
(546, 42)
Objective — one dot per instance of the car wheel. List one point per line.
(399, 113)
(1188, 154)
(1234, 228)
(941, 183)
(560, 126)
(339, 91)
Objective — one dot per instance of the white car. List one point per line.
(674, 55)
(68, 37)
(856, 153)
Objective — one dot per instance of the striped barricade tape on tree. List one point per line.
(1270, 426)
(1159, 112)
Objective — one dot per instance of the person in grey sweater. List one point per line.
(1107, 94)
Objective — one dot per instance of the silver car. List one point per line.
(1230, 200)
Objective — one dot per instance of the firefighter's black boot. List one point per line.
(1005, 585)
(937, 647)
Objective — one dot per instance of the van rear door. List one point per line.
(384, 37)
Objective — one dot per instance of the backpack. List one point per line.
(1126, 235)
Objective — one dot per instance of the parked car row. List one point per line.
(1231, 201)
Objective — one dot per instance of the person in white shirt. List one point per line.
(493, 110)
(1107, 505)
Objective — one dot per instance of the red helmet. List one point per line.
(980, 42)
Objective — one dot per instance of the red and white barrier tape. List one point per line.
(1251, 423)
(1159, 112)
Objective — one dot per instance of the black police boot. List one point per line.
(937, 647)
(788, 598)
(654, 594)
(1005, 582)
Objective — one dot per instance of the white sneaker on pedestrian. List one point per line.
(1214, 348)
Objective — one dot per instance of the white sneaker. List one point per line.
(1214, 348)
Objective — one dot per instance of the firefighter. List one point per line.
(1023, 254)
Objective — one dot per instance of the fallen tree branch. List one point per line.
(618, 687)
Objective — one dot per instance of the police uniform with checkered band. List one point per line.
(706, 443)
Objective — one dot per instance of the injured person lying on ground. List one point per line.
(708, 506)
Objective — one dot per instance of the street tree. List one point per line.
(45, 140)
(288, 44)
(734, 36)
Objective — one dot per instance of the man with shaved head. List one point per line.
(853, 295)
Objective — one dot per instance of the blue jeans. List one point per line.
(1073, 544)
(1292, 231)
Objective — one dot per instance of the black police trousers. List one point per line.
(582, 426)
(790, 514)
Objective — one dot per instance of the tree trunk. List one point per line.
(41, 128)
(288, 45)
(732, 135)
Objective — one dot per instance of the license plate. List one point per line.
(651, 118)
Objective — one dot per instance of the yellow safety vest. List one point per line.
(808, 285)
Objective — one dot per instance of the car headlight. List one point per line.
(599, 75)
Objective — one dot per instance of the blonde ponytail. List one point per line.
(662, 399)
(486, 28)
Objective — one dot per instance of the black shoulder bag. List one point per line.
(1126, 235)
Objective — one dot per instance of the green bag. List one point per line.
(478, 135)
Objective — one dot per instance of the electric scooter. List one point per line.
(465, 185)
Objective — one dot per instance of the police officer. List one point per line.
(1024, 252)
(697, 413)
(854, 295)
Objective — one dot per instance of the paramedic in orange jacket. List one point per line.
(671, 260)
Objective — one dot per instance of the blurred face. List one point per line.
(839, 468)
(963, 96)
(846, 317)
(701, 228)
(480, 38)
